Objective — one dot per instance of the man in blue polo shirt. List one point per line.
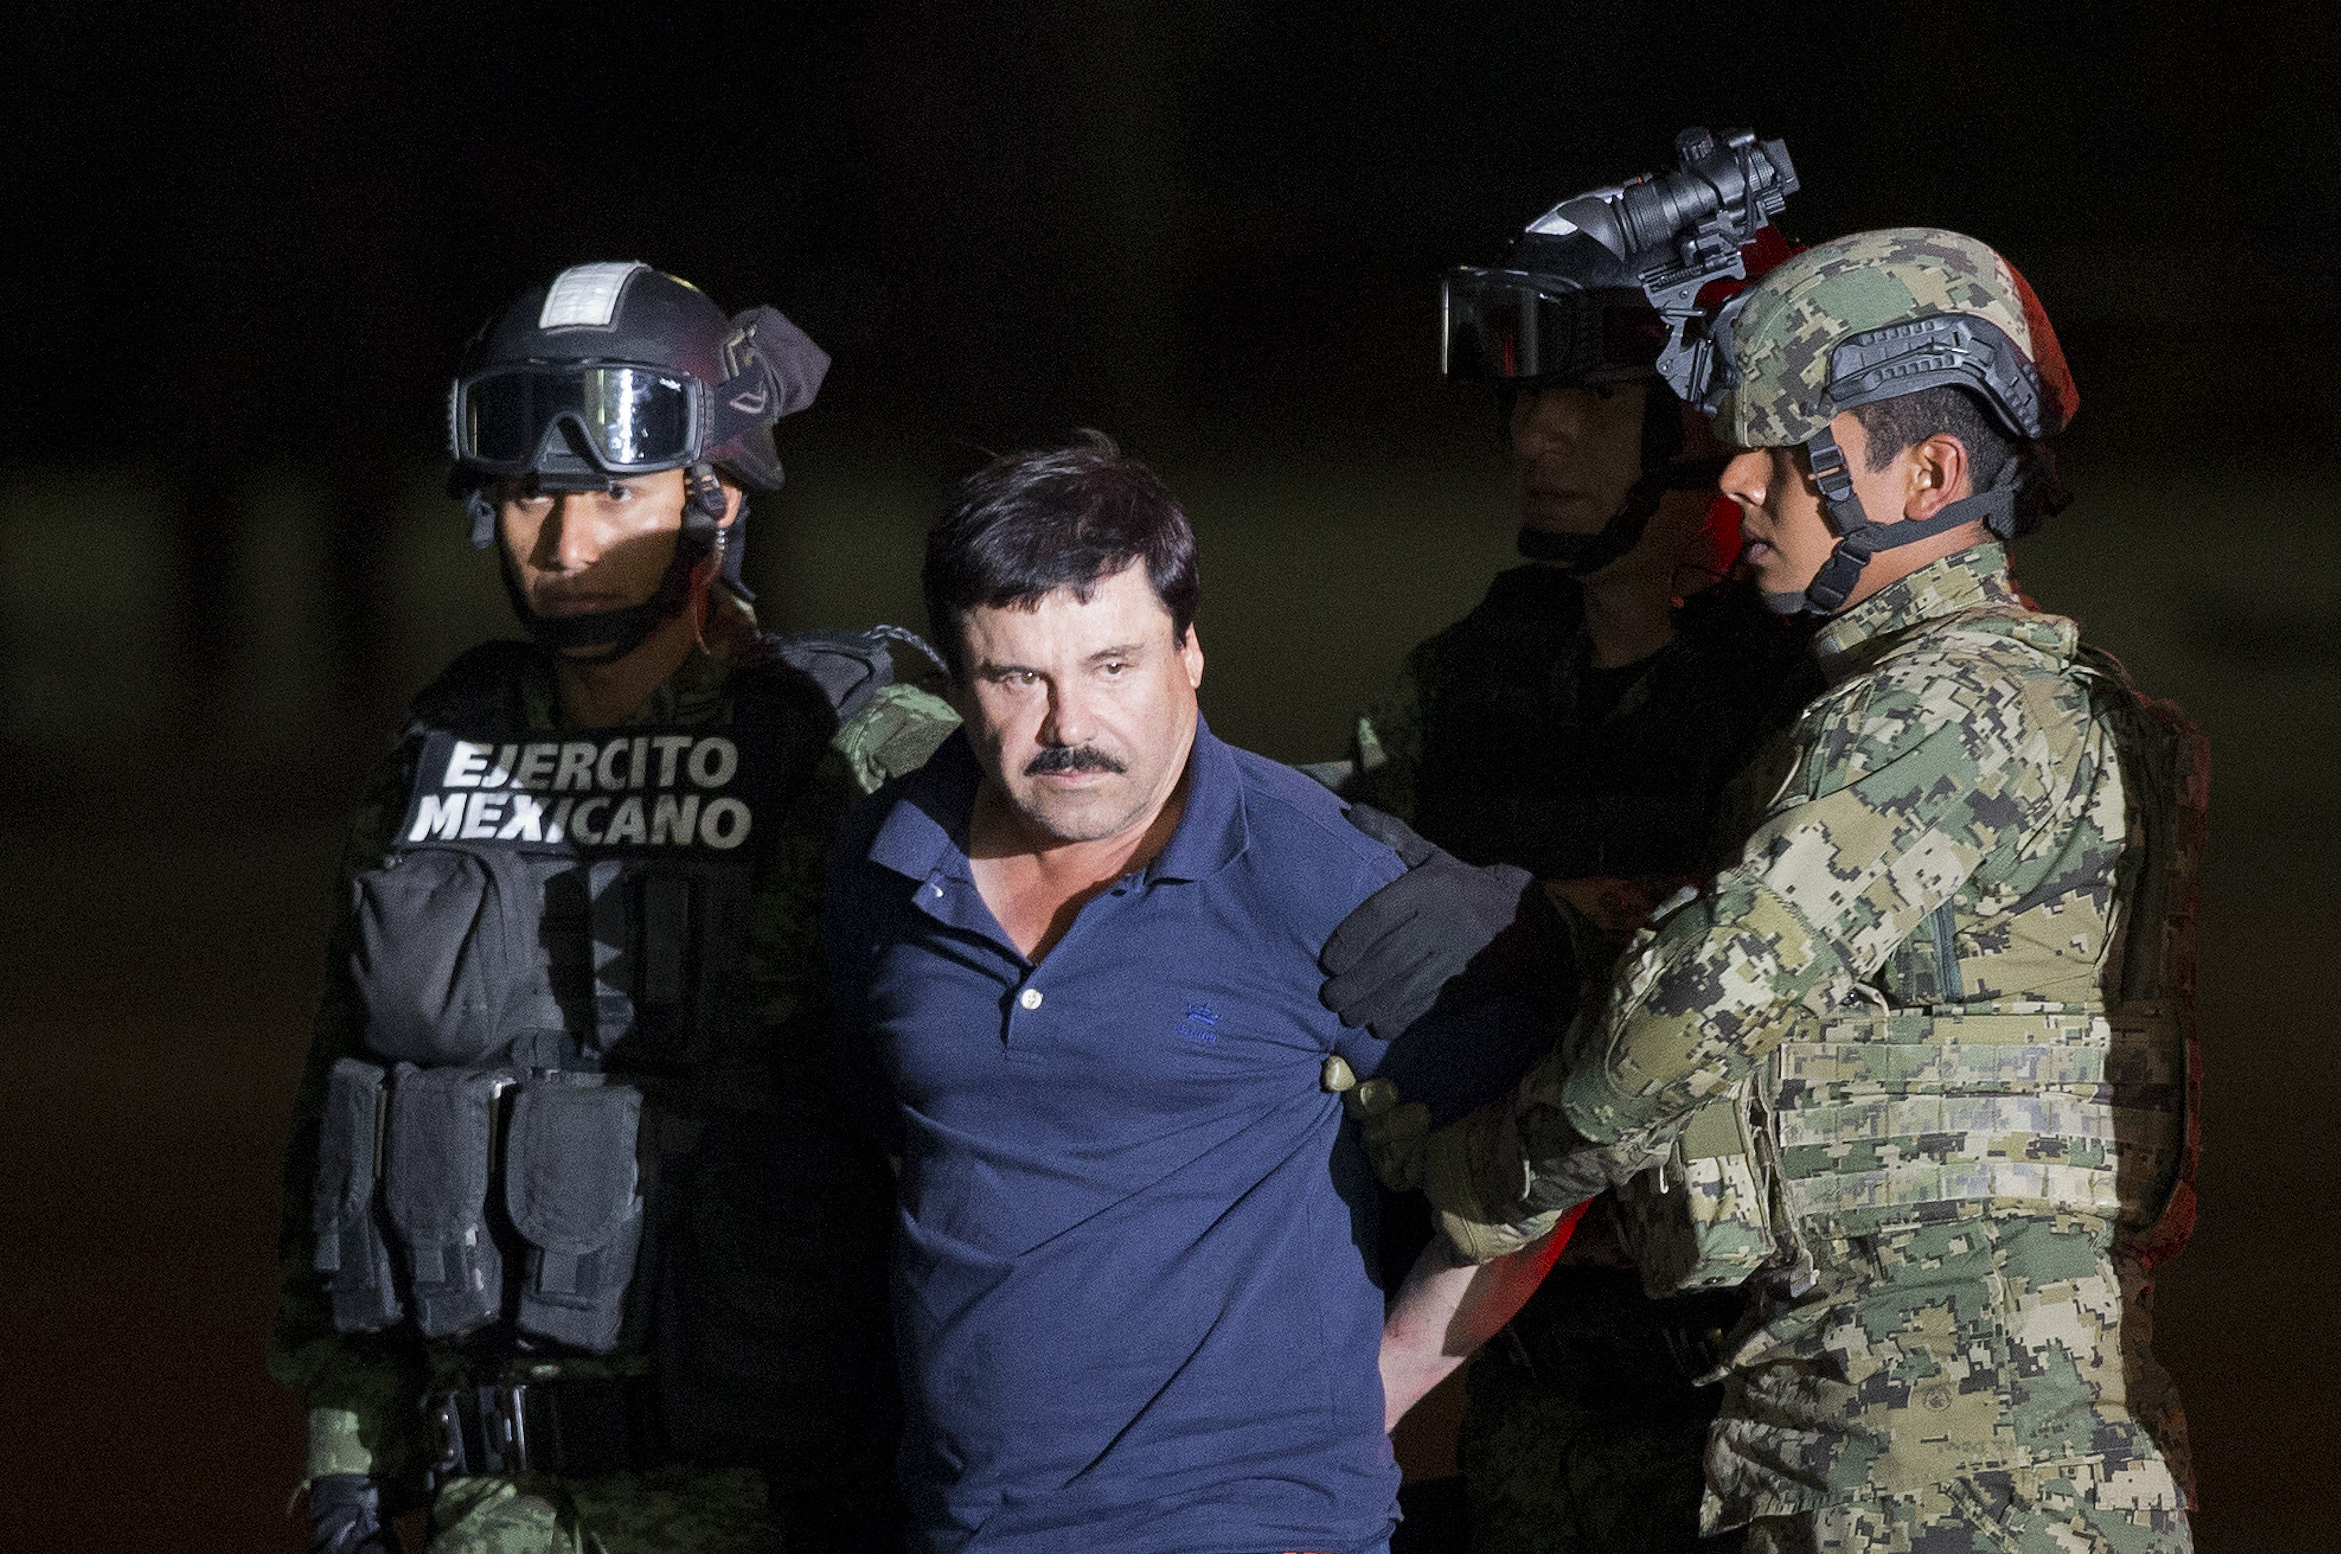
(1134, 1262)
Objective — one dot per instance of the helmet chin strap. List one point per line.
(617, 633)
(1858, 539)
(1582, 555)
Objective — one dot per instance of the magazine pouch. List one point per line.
(441, 1141)
(352, 1251)
(570, 1185)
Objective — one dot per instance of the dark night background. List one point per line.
(245, 243)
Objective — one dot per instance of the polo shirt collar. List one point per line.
(1212, 833)
(924, 835)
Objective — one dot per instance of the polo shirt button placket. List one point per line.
(1029, 998)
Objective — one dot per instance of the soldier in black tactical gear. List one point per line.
(572, 1255)
(1581, 723)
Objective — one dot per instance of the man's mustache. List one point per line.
(1071, 758)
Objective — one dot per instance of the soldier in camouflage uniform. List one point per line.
(1921, 1057)
(1580, 723)
(568, 1249)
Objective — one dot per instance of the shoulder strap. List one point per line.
(850, 667)
(2166, 787)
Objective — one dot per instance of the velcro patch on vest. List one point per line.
(648, 791)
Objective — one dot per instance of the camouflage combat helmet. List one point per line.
(1872, 317)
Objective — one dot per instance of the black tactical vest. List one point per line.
(1533, 757)
(559, 1023)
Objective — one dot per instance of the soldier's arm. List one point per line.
(1899, 799)
(360, 1389)
(829, 1290)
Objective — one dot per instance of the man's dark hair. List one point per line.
(1029, 524)
(1908, 419)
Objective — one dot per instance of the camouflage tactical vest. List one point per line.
(1875, 1118)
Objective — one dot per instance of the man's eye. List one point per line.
(1115, 665)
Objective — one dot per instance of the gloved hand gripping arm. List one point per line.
(1403, 949)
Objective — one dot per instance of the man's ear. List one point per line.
(1191, 653)
(1935, 473)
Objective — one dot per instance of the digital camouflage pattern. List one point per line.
(1700, 1217)
(2055, 1511)
(1789, 322)
(1502, 743)
(362, 1391)
(1958, 757)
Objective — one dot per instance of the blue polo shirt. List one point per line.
(1133, 1265)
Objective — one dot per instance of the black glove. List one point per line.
(1387, 962)
(345, 1516)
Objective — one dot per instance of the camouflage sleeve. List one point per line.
(1908, 785)
(1386, 746)
(360, 1389)
(894, 735)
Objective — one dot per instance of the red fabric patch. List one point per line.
(2056, 379)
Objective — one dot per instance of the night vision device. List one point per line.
(1681, 231)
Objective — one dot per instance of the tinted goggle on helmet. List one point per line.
(1511, 326)
(537, 416)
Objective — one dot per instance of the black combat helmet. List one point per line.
(1557, 309)
(1560, 310)
(1570, 305)
(617, 369)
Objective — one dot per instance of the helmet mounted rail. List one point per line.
(1682, 231)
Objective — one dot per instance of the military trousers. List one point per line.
(1584, 1434)
(675, 1509)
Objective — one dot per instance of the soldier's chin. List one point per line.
(1572, 516)
(1775, 573)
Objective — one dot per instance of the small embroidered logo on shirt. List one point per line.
(1201, 1023)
